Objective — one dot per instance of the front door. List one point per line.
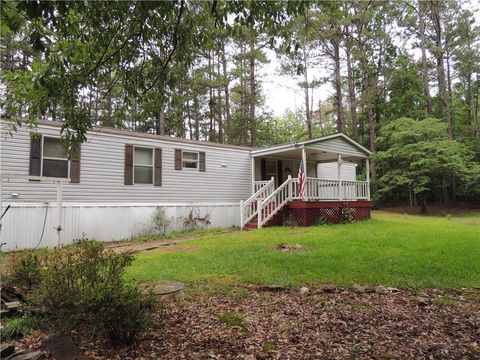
(272, 170)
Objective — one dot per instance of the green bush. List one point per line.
(84, 285)
(23, 270)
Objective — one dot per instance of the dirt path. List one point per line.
(163, 244)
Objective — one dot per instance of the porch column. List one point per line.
(367, 176)
(304, 160)
(339, 175)
(253, 174)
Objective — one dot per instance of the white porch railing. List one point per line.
(267, 201)
(260, 184)
(269, 206)
(248, 208)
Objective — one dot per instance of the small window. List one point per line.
(143, 166)
(190, 159)
(55, 159)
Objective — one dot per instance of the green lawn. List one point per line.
(391, 249)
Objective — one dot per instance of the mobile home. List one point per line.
(108, 187)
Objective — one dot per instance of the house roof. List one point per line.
(285, 147)
(124, 132)
(255, 151)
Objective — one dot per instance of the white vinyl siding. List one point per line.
(338, 146)
(102, 172)
(329, 171)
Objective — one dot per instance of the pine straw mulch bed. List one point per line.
(259, 323)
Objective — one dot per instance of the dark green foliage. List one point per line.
(84, 285)
(417, 156)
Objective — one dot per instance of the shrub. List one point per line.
(84, 285)
(347, 215)
(160, 221)
(23, 270)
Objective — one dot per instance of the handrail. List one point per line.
(248, 208)
(267, 201)
(269, 206)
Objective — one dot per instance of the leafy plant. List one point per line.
(23, 270)
(84, 285)
(160, 221)
(347, 215)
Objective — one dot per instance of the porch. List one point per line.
(331, 183)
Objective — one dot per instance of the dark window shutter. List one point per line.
(75, 164)
(279, 172)
(178, 159)
(202, 162)
(128, 177)
(35, 156)
(263, 168)
(158, 167)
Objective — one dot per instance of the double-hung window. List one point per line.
(143, 165)
(190, 159)
(55, 158)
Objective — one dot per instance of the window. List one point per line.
(55, 159)
(190, 159)
(143, 166)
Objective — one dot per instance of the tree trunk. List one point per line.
(253, 95)
(338, 88)
(439, 52)
(160, 126)
(210, 100)
(423, 204)
(219, 105)
(227, 99)
(426, 87)
(307, 102)
(197, 116)
(351, 93)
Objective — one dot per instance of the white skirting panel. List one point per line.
(23, 223)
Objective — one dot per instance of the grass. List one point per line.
(390, 249)
(17, 326)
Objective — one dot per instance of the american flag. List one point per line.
(301, 180)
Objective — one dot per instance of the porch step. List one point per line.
(253, 224)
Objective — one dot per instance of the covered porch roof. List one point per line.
(325, 148)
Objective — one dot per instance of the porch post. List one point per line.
(241, 215)
(339, 174)
(253, 174)
(304, 160)
(259, 213)
(367, 176)
(60, 214)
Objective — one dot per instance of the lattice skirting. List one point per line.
(308, 213)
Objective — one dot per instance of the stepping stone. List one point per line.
(162, 287)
